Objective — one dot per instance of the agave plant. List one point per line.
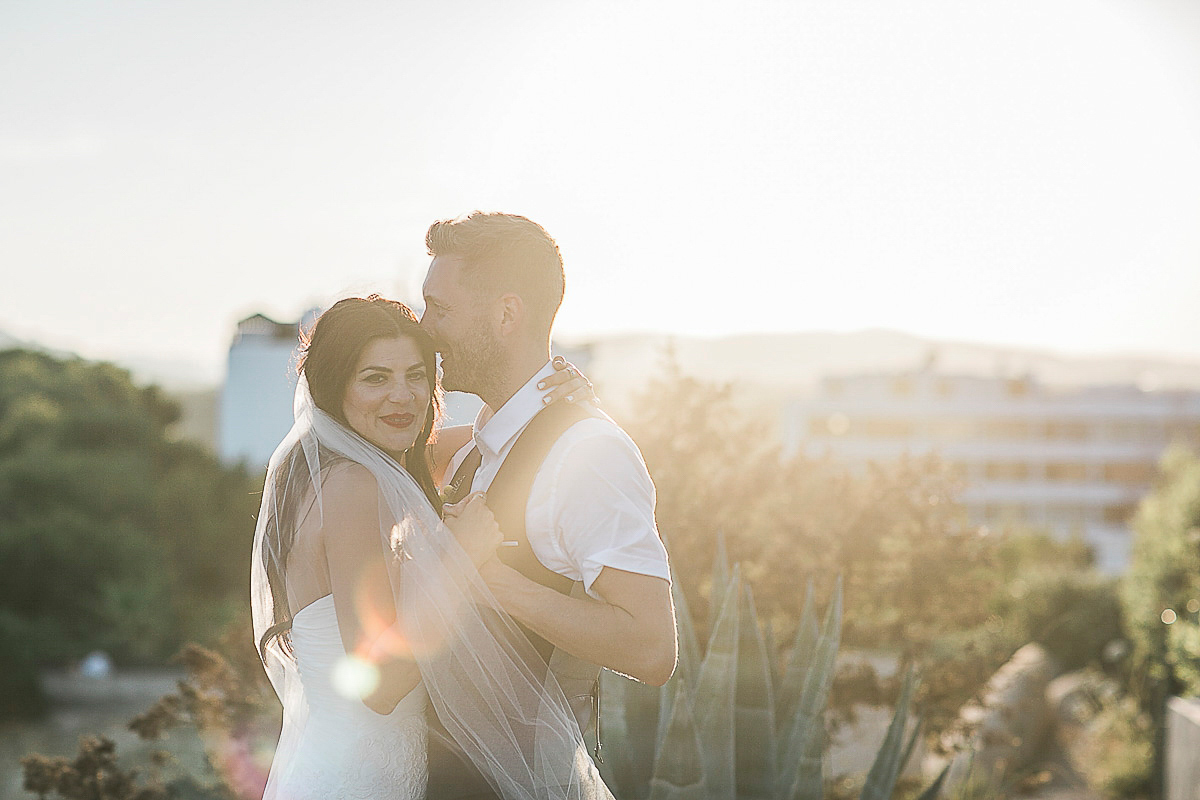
(726, 726)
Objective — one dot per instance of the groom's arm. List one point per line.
(593, 508)
(630, 629)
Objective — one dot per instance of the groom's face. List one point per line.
(457, 316)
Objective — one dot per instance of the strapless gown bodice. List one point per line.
(346, 750)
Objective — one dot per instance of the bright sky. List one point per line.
(1009, 172)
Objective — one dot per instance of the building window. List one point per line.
(1006, 471)
(1005, 429)
(1066, 472)
(1133, 474)
(1182, 433)
(887, 428)
(1062, 429)
(1126, 430)
(951, 428)
(1119, 514)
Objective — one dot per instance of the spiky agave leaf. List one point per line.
(791, 686)
(666, 702)
(641, 733)
(686, 673)
(934, 789)
(720, 578)
(754, 709)
(893, 753)
(687, 667)
(769, 642)
(685, 625)
(715, 693)
(799, 774)
(906, 756)
(617, 768)
(679, 763)
(628, 731)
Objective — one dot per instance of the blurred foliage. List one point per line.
(920, 581)
(113, 536)
(93, 774)
(1160, 595)
(1121, 741)
(227, 702)
(1161, 590)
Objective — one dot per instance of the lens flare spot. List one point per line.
(1193, 606)
(354, 677)
(1168, 616)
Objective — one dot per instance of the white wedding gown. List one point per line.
(474, 668)
(347, 750)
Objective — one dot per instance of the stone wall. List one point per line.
(1007, 731)
(1183, 749)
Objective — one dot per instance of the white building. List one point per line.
(255, 409)
(1072, 462)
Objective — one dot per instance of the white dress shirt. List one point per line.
(592, 502)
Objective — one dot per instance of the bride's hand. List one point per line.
(472, 523)
(567, 383)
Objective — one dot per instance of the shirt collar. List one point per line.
(512, 417)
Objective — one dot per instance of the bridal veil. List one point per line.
(513, 722)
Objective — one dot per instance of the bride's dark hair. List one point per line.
(329, 350)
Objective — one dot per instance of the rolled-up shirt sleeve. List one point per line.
(602, 504)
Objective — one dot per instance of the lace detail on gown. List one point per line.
(347, 750)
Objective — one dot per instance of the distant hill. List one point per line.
(173, 374)
(793, 363)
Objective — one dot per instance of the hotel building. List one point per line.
(1073, 462)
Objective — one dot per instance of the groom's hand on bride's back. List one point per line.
(474, 525)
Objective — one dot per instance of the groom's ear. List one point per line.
(511, 311)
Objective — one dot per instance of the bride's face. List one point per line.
(387, 400)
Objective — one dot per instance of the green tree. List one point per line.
(112, 534)
(1161, 592)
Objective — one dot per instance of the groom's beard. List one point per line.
(473, 365)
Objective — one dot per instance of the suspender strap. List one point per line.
(509, 492)
(508, 496)
(460, 485)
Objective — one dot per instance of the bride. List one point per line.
(367, 605)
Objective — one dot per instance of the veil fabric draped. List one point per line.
(513, 722)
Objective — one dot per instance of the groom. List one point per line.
(587, 577)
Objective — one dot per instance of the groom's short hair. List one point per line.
(505, 253)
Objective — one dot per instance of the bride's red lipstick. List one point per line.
(399, 420)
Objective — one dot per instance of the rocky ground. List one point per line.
(1055, 779)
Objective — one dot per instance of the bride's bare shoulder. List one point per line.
(348, 482)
